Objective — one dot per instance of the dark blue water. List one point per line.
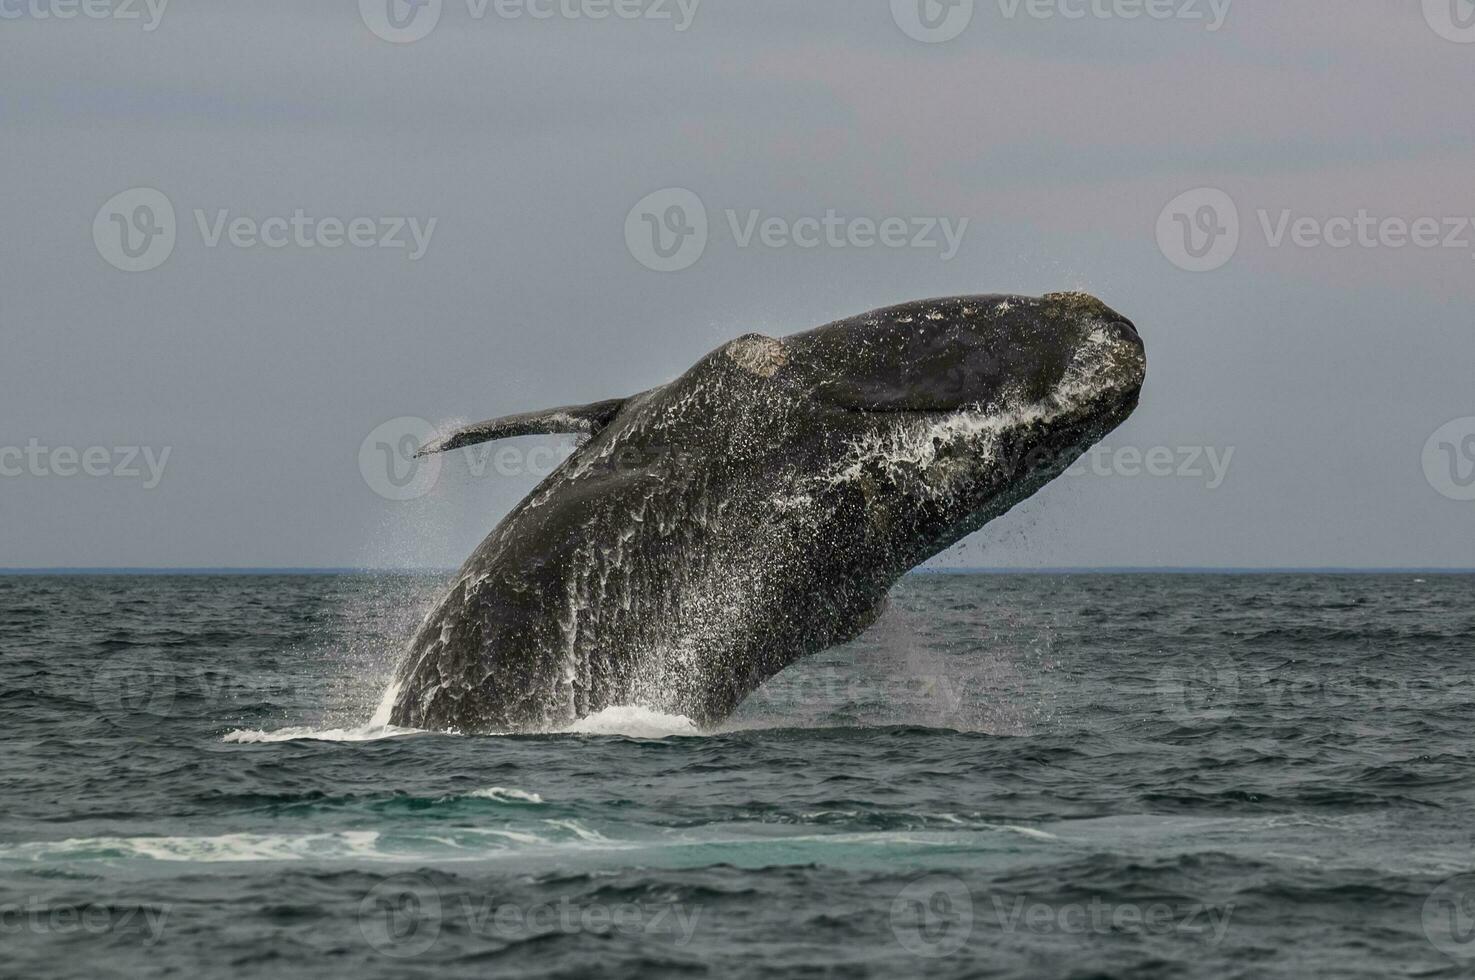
(1008, 776)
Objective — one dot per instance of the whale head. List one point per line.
(953, 354)
(950, 411)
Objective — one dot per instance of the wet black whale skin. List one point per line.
(758, 508)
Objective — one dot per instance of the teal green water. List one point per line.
(1024, 776)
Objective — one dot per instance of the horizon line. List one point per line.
(311, 570)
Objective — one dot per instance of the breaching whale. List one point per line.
(714, 530)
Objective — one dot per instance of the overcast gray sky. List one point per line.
(1314, 361)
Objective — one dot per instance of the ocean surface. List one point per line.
(1028, 776)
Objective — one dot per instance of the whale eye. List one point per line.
(758, 355)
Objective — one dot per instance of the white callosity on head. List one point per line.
(923, 450)
(758, 355)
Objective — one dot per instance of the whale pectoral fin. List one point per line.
(580, 419)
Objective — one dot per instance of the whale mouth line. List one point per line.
(974, 407)
(1051, 402)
